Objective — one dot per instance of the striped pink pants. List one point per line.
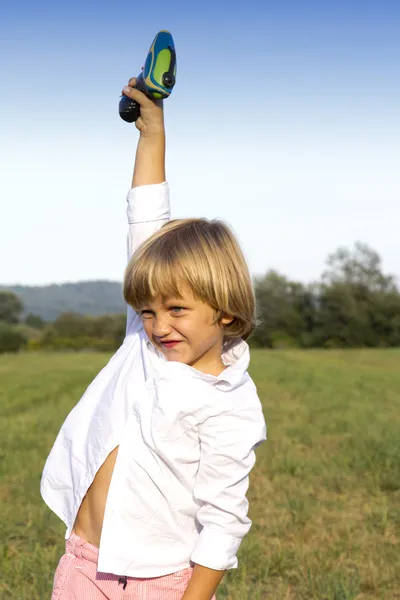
(76, 578)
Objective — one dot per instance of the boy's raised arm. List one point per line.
(148, 199)
(150, 155)
(150, 161)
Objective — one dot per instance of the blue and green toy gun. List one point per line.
(157, 78)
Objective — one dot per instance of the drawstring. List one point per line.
(124, 581)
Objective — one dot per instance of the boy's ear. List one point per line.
(222, 318)
(226, 319)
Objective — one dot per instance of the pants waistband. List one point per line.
(81, 549)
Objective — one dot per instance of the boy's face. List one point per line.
(184, 330)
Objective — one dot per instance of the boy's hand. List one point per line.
(151, 120)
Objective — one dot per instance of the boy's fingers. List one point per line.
(136, 95)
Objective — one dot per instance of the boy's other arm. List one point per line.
(228, 438)
(203, 583)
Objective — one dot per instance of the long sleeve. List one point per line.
(148, 209)
(227, 456)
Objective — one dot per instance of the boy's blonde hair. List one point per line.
(207, 257)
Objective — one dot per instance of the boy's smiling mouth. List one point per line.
(170, 343)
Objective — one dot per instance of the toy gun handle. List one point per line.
(129, 110)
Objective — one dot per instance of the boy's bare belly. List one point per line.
(89, 520)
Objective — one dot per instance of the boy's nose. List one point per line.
(161, 327)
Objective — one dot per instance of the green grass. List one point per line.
(324, 495)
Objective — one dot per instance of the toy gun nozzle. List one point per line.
(168, 80)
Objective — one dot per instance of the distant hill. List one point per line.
(85, 297)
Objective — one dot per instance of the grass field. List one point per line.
(324, 495)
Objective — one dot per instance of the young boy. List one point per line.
(150, 469)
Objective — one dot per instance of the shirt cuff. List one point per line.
(216, 550)
(148, 203)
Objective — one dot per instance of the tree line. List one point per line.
(353, 305)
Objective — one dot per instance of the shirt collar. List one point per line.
(236, 359)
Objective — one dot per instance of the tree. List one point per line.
(384, 313)
(358, 304)
(11, 307)
(285, 311)
(71, 324)
(355, 305)
(360, 267)
(34, 321)
(11, 340)
(341, 319)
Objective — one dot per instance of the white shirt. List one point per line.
(186, 446)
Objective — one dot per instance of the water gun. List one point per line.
(157, 78)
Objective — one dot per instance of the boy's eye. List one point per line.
(146, 314)
(176, 309)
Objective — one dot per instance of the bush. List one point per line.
(11, 340)
(77, 332)
(27, 332)
(280, 339)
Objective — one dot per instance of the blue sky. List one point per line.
(284, 121)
